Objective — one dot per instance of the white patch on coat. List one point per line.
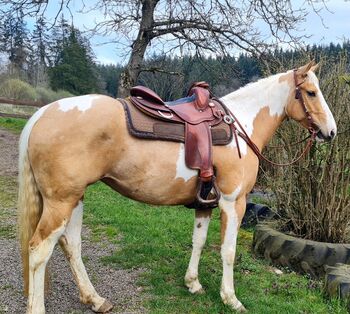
(182, 171)
(24, 139)
(38, 258)
(331, 125)
(200, 231)
(82, 103)
(71, 239)
(228, 248)
(246, 102)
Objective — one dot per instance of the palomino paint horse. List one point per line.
(77, 141)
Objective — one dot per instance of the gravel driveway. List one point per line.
(117, 285)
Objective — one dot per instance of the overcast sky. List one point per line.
(336, 28)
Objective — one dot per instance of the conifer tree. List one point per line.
(38, 57)
(74, 69)
(14, 42)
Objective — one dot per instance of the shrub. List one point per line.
(63, 94)
(47, 95)
(15, 88)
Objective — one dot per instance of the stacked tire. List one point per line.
(305, 256)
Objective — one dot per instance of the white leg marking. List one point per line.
(71, 242)
(200, 232)
(38, 258)
(228, 250)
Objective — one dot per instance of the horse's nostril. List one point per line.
(332, 134)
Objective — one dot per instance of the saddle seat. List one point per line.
(198, 112)
(193, 109)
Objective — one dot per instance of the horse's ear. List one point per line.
(315, 67)
(306, 68)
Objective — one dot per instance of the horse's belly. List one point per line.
(155, 190)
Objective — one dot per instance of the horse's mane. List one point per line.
(252, 85)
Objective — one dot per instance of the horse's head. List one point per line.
(307, 104)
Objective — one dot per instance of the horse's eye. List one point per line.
(311, 93)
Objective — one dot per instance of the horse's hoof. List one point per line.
(200, 291)
(195, 288)
(241, 309)
(104, 308)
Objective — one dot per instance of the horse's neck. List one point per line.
(260, 107)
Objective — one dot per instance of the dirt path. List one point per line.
(115, 284)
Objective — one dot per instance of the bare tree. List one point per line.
(216, 27)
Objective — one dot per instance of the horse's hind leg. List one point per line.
(70, 242)
(49, 229)
(200, 231)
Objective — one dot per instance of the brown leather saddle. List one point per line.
(199, 114)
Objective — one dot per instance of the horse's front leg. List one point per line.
(232, 211)
(200, 231)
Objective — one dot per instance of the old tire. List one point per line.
(256, 213)
(304, 256)
(337, 282)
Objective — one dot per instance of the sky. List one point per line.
(333, 27)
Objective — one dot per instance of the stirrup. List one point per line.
(202, 194)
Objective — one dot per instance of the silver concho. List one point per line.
(228, 119)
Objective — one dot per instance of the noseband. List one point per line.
(238, 129)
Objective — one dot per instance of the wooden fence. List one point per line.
(18, 102)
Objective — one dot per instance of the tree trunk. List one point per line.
(129, 76)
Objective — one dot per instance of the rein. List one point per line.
(231, 120)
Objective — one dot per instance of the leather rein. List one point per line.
(239, 131)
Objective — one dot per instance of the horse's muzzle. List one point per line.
(322, 137)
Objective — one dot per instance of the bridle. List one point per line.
(238, 129)
(311, 125)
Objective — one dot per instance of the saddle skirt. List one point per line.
(144, 126)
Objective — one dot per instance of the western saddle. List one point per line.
(199, 113)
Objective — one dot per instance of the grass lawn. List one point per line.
(14, 125)
(158, 240)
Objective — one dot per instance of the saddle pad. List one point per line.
(144, 126)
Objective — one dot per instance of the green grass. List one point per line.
(8, 192)
(7, 232)
(158, 239)
(15, 125)
(8, 195)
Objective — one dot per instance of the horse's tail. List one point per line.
(29, 201)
